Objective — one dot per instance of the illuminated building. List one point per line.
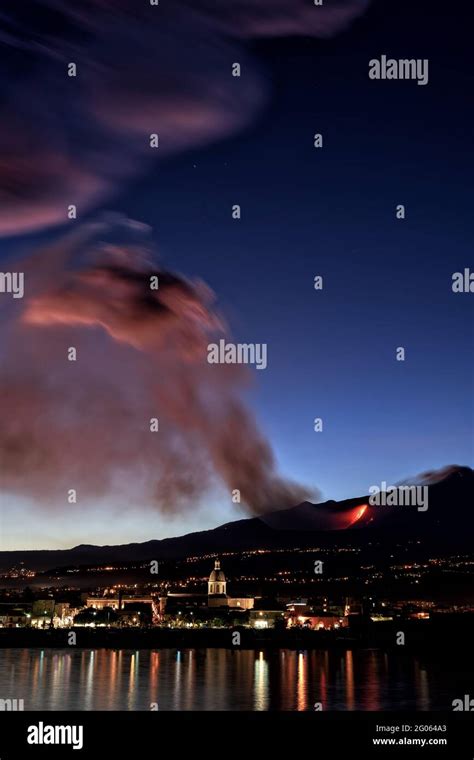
(216, 592)
(318, 620)
(266, 618)
(217, 583)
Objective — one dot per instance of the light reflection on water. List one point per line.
(218, 679)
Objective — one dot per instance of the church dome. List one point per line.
(217, 576)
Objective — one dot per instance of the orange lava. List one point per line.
(360, 512)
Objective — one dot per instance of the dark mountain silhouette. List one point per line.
(448, 524)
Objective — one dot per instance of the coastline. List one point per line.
(420, 636)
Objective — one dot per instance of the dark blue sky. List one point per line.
(331, 212)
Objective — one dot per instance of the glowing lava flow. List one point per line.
(359, 514)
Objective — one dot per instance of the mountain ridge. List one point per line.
(328, 523)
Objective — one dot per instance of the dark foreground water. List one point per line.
(220, 679)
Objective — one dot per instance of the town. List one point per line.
(204, 604)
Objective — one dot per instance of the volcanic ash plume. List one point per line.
(73, 138)
(141, 356)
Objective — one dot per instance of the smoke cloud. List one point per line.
(141, 69)
(141, 354)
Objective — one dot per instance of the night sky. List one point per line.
(308, 212)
